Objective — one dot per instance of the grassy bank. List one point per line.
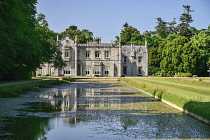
(12, 91)
(190, 94)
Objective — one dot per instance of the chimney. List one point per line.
(57, 38)
(97, 40)
(145, 42)
(132, 46)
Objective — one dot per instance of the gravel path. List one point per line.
(22, 82)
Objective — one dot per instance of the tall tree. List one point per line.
(24, 46)
(20, 46)
(161, 29)
(126, 25)
(84, 35)
(130, 34)
(201, 43)
(184, 27)
(208, 30)
(171, 61)
(51, 53)
(172, 28)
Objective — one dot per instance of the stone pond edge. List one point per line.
(173, 105)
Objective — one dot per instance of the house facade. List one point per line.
(99, 59)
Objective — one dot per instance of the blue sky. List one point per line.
(105, 18)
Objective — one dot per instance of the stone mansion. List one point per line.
(99, 59)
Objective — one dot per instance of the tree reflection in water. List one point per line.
(105, 109)
(24, 128)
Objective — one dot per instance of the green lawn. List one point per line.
(190, 94)
(42, 77)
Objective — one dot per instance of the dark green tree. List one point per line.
(25, 41)
(84, 35)
(201, 43)
(72, 28)
(208, 30)
(51, 53)
(171, 62)
(20, 47)
(126, 25)
(172, 27)
(161, 29)
(183, 28)
(190, 58)
(130, 34)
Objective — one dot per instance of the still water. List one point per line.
(93, 110)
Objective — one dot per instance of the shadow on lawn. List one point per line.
(200, 108)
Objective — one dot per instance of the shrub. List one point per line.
(186, 74)
(39, 75)
(189, 74)
(170, 74)
(47, 75)
(177, 75)
(68, 79)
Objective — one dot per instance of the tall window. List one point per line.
(66, 70)
(106, 70)
(139, 59)
(124, 70)
(87, 54)
(97, 54)
(66, 53)
(97, 70)
(87, 71)
(124, 59)
(106, 54)
(139, 71)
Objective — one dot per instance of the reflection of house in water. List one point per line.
(64, 98)
(71, 99)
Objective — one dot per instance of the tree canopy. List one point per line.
(130, 34)
(84, 35)
(174, 47)
(25, 40)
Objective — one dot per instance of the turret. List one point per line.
(120, 58)
(132, 46)
(97, 40)
(146, 43)
(132, 50)
(76, 54)
(57, 41)
(76, 40)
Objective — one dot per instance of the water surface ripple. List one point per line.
(93, 110)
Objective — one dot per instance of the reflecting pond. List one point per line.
(94, 109)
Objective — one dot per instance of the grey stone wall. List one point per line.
(109, 61)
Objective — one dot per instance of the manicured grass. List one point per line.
(43, 77)
(190, 94)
